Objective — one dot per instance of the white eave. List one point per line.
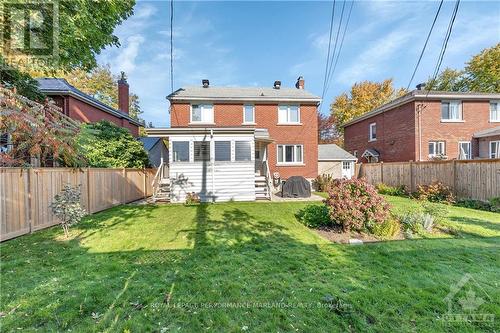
(168, 131)
(263, 99)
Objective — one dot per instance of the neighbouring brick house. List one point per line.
(424, 125)
(82, 107)
(224, 141)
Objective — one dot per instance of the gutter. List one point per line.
(166, 131)
(317, 101)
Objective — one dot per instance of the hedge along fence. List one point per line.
(25, 194)
(469, 179)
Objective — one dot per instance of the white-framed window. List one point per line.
(464, 150)
(290, 154)
(451, 111)
(242, 151)
(223, 151)
(495, 111)
(494, 149)
(248, 114)
(288, 114)
(437, 148)
(346, 165)
(201, 151)
(202, 113)
(180, 151)
(372, 129)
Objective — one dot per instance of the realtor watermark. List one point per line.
(464, 302)
(29, 33)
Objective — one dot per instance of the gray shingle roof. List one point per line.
(149, 142)
(243, 93)
(487, 132)
(332, 152)
(50, 86)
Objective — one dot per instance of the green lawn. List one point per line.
(242, 267)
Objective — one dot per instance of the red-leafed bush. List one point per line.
(355, 205)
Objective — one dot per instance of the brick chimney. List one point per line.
(300, 83)
(123, 102)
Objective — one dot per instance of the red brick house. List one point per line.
(424, 125)
(83, 107)
(226, 141)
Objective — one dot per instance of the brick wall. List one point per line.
(395, 135)
(266, 116)
(87, 113)
(476, 117)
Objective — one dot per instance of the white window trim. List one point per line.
(460, 111)
(370, 132)
(498, 110)
(288, 111)
(436, 142)
(490, 150)
(284, 153)
(248, 122)
(191, 122)
(470, 149)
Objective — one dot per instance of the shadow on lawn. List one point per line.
(477, 222)
(236, 259)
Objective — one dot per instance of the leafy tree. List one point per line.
(106, 145)
(327, 132)
(363, 97)
(481, 74)
(25, 85)
(85, 28)
(66, 206)
(99, 83)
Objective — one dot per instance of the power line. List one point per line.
(329, 45)
(341, 44)
(172, 45)
(444, 46)
(425, 45)
(335, 45)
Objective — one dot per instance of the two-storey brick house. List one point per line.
(226, 141)
(425, 125)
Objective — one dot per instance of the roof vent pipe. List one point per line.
(277, 84)
(420, 86)
(205, 83)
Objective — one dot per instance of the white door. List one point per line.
(347, 169)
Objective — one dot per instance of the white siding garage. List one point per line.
(335, 161)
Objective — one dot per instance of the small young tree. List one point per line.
(66, 206)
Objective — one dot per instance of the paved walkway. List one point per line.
(313, 197)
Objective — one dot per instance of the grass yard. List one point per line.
(242, 267)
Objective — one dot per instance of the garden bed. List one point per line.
(336, 235)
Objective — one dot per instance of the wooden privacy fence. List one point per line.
(25, 194)
(469, 179)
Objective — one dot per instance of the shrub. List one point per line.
(435, 192)
(474, 204)
(416, 222)
(356, 205)
(314, 216)
(437, 211)
(387, 229)
(399, 191)
(66, 206)
(322, 182)
(495, 204)
(192, 198)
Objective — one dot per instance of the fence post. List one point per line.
(455, 177)
(29, 177)
(145, 185)
(382, 172)
(411, 177)
(88, 191)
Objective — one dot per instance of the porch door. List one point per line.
(259, 157)
(347, 169)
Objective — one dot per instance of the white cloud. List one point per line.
(125, 61)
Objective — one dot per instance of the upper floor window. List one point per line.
(495, 111)
(201, 151)
(248, 114)
(180, 151)
(436, 148)
(202, 113)
(494, 149)
(451, 111)
(372, 132)
(288, 114)
(290, 154)
(464, 150)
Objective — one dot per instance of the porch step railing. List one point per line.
(161, 184)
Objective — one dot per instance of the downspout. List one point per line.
(419, 113)
(212, 158)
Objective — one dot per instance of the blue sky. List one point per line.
(236, 43)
